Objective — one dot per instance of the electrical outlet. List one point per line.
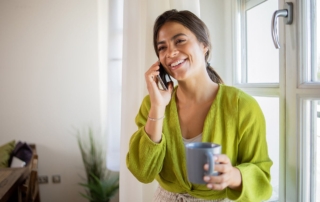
(56, 179)
(43, 179)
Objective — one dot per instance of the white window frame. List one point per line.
(295, 183)
(239, 46)
(308, 90)
(307, 148)
(308, 60)
(258, 89)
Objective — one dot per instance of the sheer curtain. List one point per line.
(115, 38)
(138, 55)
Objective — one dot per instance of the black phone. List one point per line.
(163, 78)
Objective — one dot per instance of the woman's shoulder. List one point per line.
(236, 100)
(234, 93)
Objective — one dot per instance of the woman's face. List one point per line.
(179, 51)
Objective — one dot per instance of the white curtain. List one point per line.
(138, 55)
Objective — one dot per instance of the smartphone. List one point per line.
(163, 78)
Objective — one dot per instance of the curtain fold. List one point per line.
(138, 56)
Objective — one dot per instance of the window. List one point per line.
(310, 102)
(114, 80)
(310, 113)
(315, 31)
(286, 84)
(262, 60)
(258, 73)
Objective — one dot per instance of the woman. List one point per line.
(199, 108)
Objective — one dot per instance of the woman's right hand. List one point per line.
(158, 97)
(159, 100)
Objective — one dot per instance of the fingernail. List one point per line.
(206, 178)
(209, 186)
(215, 158)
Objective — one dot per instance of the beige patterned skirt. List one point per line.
(162, 195)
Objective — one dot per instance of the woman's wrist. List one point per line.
(156, 119)
(154, 123)
(156, 112)
(236, 183)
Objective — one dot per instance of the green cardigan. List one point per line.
(234, 121)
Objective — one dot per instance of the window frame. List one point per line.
(307, 91)
(307, 147)
(297, 75)
(240, 47)
(259, 89)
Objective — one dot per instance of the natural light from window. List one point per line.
(317, 144)
(310, 140)
(114, 83)
(262, 56)
(318, 40)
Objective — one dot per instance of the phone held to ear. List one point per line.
(163, 78)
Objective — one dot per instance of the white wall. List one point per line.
(49, 84)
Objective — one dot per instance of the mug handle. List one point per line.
(211, 163)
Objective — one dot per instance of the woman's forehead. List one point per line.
(170, 29)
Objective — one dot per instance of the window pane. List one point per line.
(313, 31)
(273, 139)
(262, 56)
(317, 33)
(311, 138)
(317, 153)
(114, 83)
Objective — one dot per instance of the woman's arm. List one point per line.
(253, 159)
(145, 157)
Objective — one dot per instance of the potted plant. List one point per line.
(101, 183)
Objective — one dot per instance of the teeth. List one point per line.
(176, 63)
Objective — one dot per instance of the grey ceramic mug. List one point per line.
(198, 154)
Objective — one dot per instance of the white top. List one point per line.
(197, 138)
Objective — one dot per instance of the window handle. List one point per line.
(287, 13)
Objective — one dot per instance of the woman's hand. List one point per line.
(158, 97)
(159, 100)
(229, 175)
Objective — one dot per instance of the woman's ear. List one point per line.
(205, 50)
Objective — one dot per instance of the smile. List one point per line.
(177, 63)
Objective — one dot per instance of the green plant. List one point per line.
(101, 183)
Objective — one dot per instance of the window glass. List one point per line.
(114, 81)
(272, 125)
(316, 36)
(311, 143)
(262, 57)
(312, 27)
(317, 152)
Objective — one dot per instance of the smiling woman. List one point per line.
(189, 26)
(199, 108)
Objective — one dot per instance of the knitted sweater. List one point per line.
(235, 121)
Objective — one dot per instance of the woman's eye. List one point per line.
(180, 41)
(160, 48)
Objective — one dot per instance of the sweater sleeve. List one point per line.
(145, 157)
(253, 159)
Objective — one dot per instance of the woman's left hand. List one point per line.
(229, 175)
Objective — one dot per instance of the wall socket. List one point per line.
(43, 179)
(56, 179)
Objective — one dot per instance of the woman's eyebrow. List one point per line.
(172, 38)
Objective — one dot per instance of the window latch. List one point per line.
(287, 13)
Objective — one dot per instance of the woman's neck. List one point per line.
(196, 91)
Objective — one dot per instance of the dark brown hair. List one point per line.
(195, 25)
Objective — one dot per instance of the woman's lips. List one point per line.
(177, 64)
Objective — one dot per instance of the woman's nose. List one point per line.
(172, 51)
